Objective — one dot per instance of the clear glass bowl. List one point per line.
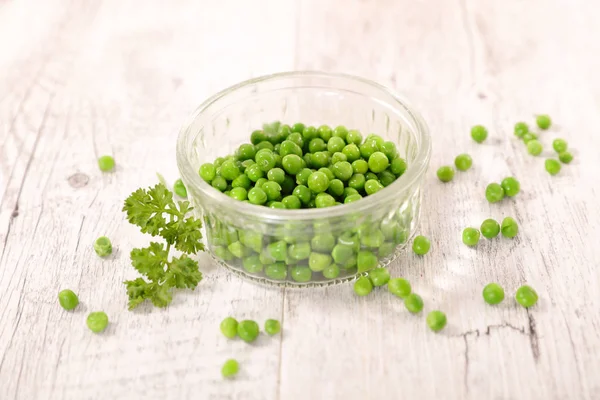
(378, 225)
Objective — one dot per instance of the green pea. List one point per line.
(320, 159)
(317, 145)
(68, 299)
(511, 186)
(494, 192)
(239, 250)
(179, 189)
(349, 239)
(317, 261)
(257, 196)
(357, 181)
(352, 198)
(299, 251)
(260, 182)
(470, 236)
(278, 250)
(372, 186)
(559, 145)
(266, 258)
(218, 161)
(298, 127)
(219, 183)
(318, 182)
(291, 202)
(252, 264)
(323, 200)
(379, 276)
(490, 228)
(336, 187)
(526, 296)
(246, 152)
(251, 239)
(207, 172)
(341, 253)
(230, 368)
(386, 178)
(360, 166)
(103, 246)
(248, 330)
(372, 239)
(257, 136)
(493, 293)
(265, 160)
(521, 128)
(479, 133)
(303, 193)
(366, 261)
(276, 175)
(97, 321)
(336, 144)
(276, 271)
(222, 253)
(378, 162)
(301, 274)
(352, 152)
(292, 164)
(229, 327)
(332, 271)
(348, 191)
(565, 157)
(398, 166)
(436, 320)
(230, 170)
(386, 249)
(354, 137)
(509, 228)
(272, 327)
(343, 170)
(552, 166)
(375, 138)
(534, 147)
(272, 190)
(399, 287)
(543, 121)
(445, 173)
(463, 162)
(413, 303)
(238, 193)
(323, 242)
(368, 148)
(106, 163)
(242, 181)
(309, 133)
(325, 132)
(529, 137)
(289, 147)
(337, 157)
(254, 172)
(363, 286)
(421, 245)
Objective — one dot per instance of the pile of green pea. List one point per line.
(300, 166)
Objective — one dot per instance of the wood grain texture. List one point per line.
(83, 78)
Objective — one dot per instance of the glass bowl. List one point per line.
(305, 247)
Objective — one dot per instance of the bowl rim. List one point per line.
(414, 171)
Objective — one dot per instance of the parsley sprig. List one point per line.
(155, 212)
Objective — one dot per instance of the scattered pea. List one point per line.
(97, 321)
(272, 327)
(436, 320)
(565, 157)
(526, 296)
(379, 276)
(521, 128)
(543, 121)
(247, 330)
(493, 293)
(103, 246)
(509, 227)
(399, 287)
(529, 137)
(511, 186)
(552, 166)
(230, 368)
(68, 299)
(462, 162)
(494, 192)
(179, 189)
(363, 286)
(490, 228)
(413, 303)
(229, 327)
(445, 173)
(534, 147)
(470, 236)
(421, 245)
(479, 133)
(106, 163)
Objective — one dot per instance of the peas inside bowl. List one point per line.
(305, 178)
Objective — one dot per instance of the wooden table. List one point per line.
(79, 79)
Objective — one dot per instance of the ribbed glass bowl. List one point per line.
(226, 120)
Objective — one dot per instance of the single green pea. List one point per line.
(318, 262)
(559, 145)
(348, 191)
(470, 236)
(463, 162)
(257, 136)
(230, 368)
(254, 172)
(303, 193)
(336, 144)
(230, 170)
(323, 242)
(479, 133)
(375, 138)
(379, 276)
(291, 202)
(363, 286)
(265, 160)
(323, 200)
(272, 190)
(276, 175)
(318, 182)
(106, 163)
(389, 149)
(298, 127)
(352, 198)
(242, 181)
(296, 137)
(343, 170)
(278, 250)
(493, 293)
(368, 148)
(252, 264)
(299, 251)
(336, 187)
(260, 182)
(366, 260)
(251, 239)
(223, 253)
(68, 299)
(207, 172)
(179, 189)
(246, 151)
(357, 181)
(238, 193)
(436, 320)
(372, 238)
(526, 296)
(97, 321)
(239, 250)
(543, 121)
(372, 186)
(257, 196)
(521, 128)
(218, 161)
(341, 253)
(421, 245)
(276, 271)
(309, 133)
(320, 159)
(445, 173)
(292, 164)
(565, 157)
(289, 147)
(511, 186)
(509, 227)
(399, 287)
(552, 166)
(272, 327)
(325, 132)
(340, 131)
(386, 178)
(103, 246)
(529, 137)
(354, 137)
(490, 228)
(352, 152)
(378, 162)
(337, 157)
(248, 330)
(328, 172)
(331, 271)
(317, 145)
(360, 166)
(413, 303)
(398, 166)
(301, 274)
(494, 192)
(386, 249)
(229, 327)
(534, 147)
